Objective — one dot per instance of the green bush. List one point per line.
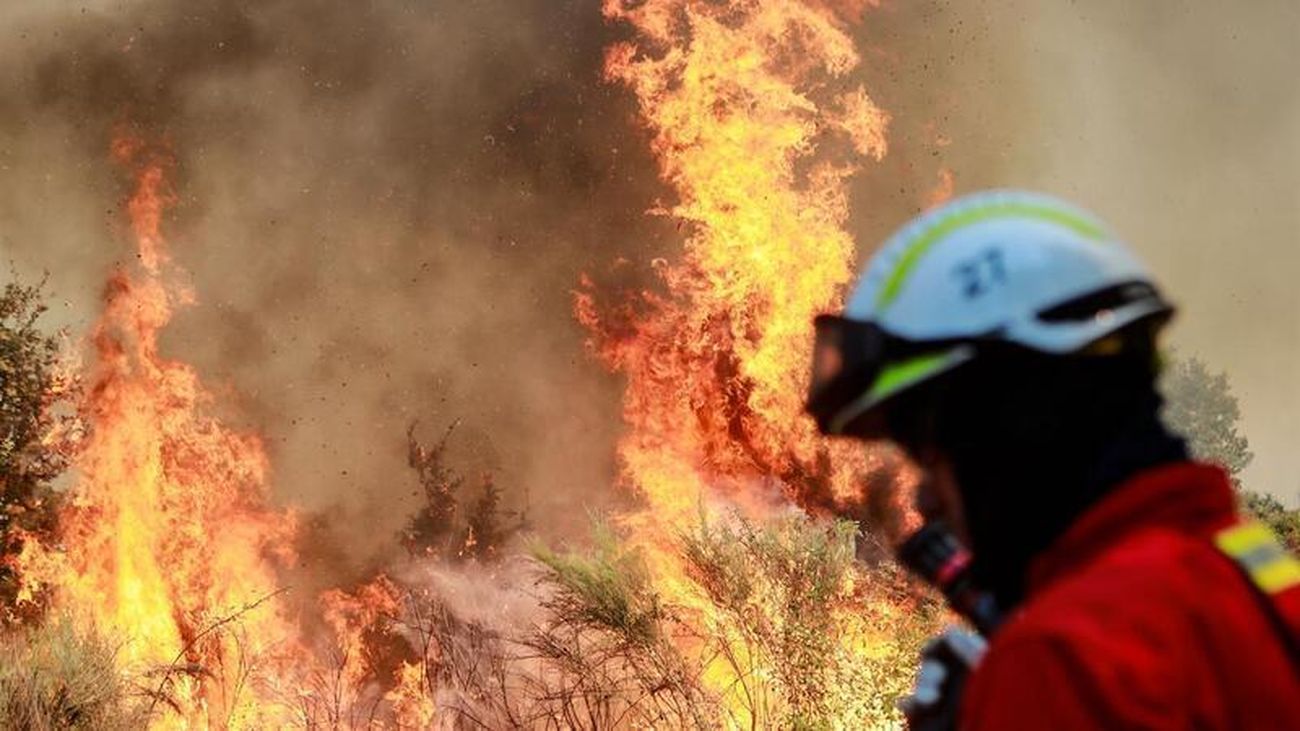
(607, 589)
(1285, 523)
(38, 433)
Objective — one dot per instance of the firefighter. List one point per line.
(1006, 341)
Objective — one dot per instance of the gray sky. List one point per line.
(1178, 122)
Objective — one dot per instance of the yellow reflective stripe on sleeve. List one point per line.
(1254, 547)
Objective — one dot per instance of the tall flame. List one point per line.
(170, 535)
(745, 101)
(756, 127)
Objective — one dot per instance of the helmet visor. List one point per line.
(847, 357)
(857, 366)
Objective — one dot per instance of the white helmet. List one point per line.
(1000, 266)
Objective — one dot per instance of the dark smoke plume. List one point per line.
(386, 205)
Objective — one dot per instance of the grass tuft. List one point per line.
(56, 676)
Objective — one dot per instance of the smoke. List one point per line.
(384, 209)
(1183, 128)
(385, 205)
(1177, 122)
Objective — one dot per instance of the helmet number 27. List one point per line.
(981, 273)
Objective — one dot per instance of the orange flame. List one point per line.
(757, 129)
(741, 99)
(169, 537)
(943, 189)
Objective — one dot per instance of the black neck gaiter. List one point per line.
(1035, 440)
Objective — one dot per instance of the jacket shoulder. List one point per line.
(1115, 630)
(1135, 585)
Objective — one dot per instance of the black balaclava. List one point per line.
(1035, 440)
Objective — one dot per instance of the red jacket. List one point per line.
(1134, 620)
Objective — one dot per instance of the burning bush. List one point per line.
(441, 528)
(431, 531)
(37, 434)
(779, 616)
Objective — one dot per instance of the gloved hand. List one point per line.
(946, 663)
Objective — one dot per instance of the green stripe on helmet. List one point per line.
(962, 218)
(899, 376)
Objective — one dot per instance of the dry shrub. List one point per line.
(610, 645)
(789, 629)
(802, 635)
(57, 676)
(809, 637)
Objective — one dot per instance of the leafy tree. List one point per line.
(37, 428)
(1200, 405)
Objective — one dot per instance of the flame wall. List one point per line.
(384, 212)
(374, 198)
